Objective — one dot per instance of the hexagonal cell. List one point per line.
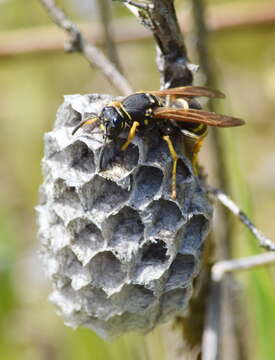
(67, 116)
(67, 260)
(82, 158)
(124, 228)
(101, 196)
(66, 201)
(112, 155)
(154, 252)
(74, 162)
(73, 269)
(87, 239)
(96, 303)
(180, 272)
(133, 298)
(173, 303)
(107, 272)
(148, 181)
(64, 193)
(162, 215)
(154, 262)
(158, 153)
(192, 234)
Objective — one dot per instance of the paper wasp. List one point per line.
(168, 111)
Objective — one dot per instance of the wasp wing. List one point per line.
(197, 116)
(190, 91)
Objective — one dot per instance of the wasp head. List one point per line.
(113, 121)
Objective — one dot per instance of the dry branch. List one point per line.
(78, 42)
(223, 267)
(172, 61)
(263, 240)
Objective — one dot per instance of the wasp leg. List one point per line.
(196, 150)
(131, 135)
(193, 146)
(175, 158)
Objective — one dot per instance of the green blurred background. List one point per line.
(32, 85)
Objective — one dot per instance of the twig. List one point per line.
(222, 267)
(79, 43)
(211, 334)
(108, 33)
(172, 61)
(263, 240)
(139, 5)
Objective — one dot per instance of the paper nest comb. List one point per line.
(120, 252)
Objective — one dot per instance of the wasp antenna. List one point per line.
(84, 122)
(78, 126)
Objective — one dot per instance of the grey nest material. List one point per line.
(120, 252)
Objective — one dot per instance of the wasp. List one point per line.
(168, 110)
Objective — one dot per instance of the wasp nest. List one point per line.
(121, 253)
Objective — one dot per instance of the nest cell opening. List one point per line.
(102, 195)
(154, 252)
(125, 227)
(107, 272)
(193, 233)
(65, 194)
(113, 154)
(81, 157)
(147, 184)
(166, 215)
(181, 271)
(87, 239)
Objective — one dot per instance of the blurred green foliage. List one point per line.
(31, 89)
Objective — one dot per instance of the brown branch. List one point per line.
(172, 61)
(79, 43)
